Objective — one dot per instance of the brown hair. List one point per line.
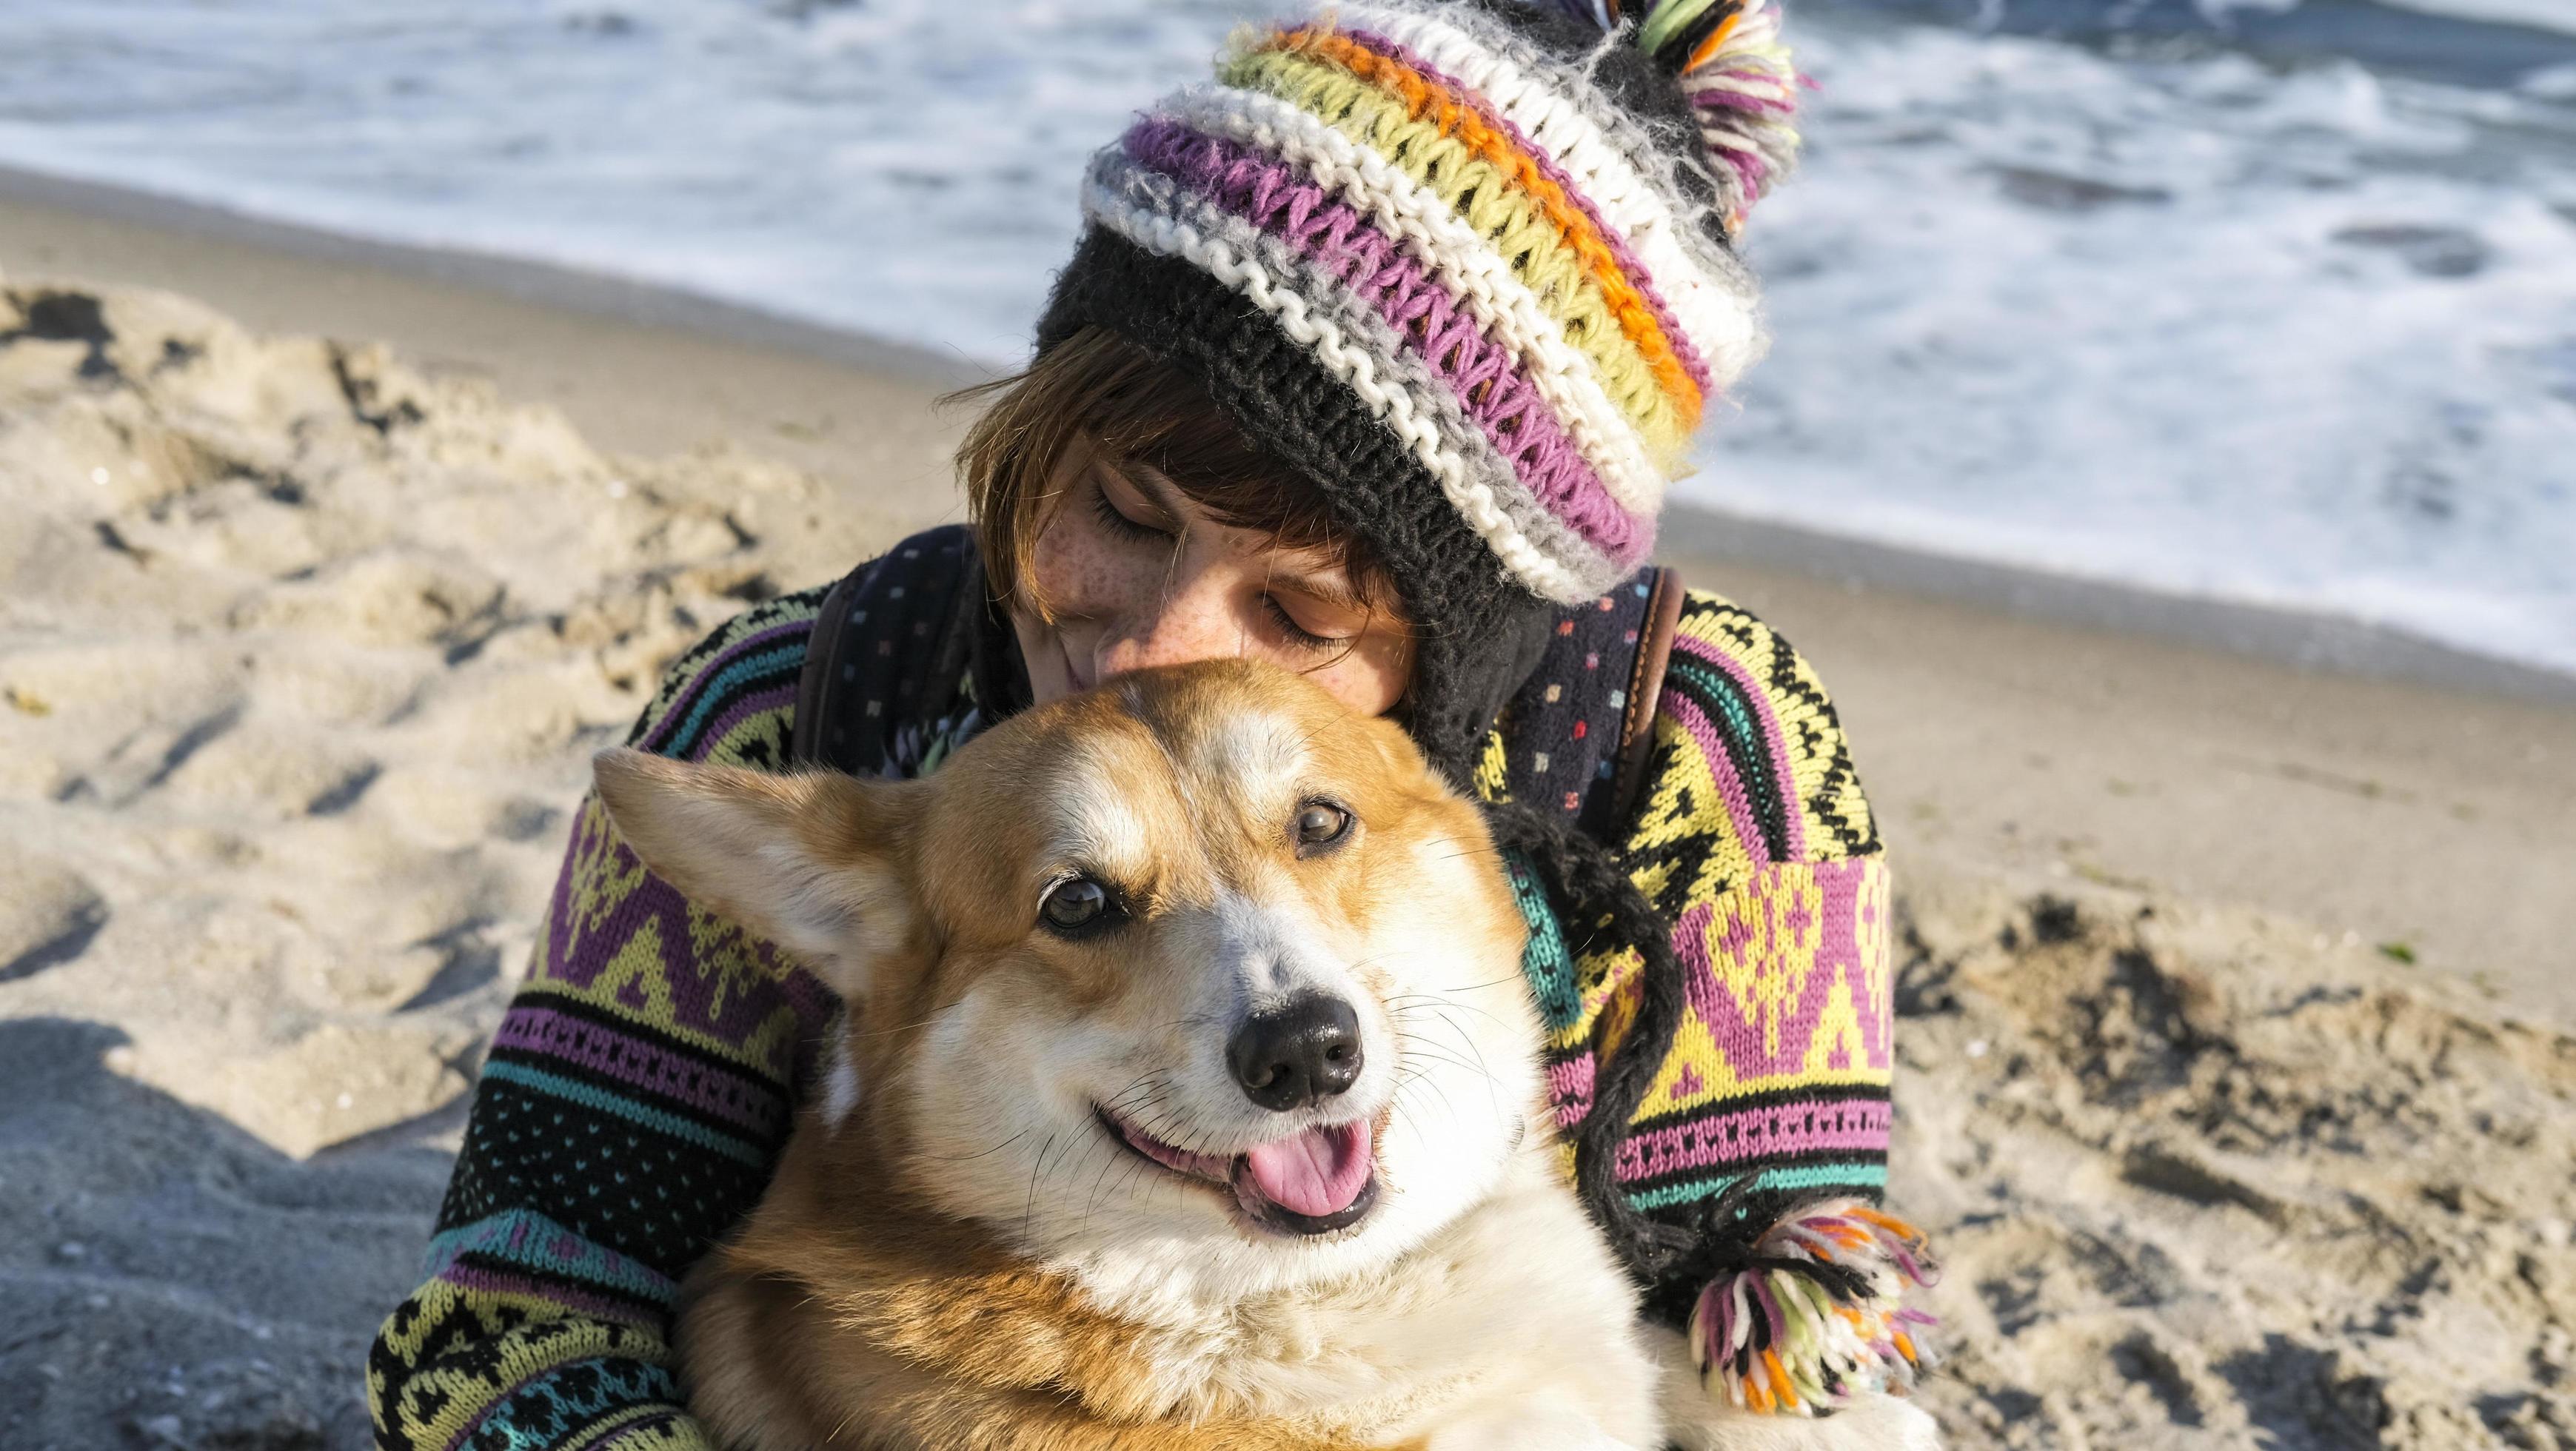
(1133, 408)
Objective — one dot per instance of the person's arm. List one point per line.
(1753, 839)
(629, 1114)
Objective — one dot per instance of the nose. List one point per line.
(1299, 1054)
(1164, 640)
(1188, 619)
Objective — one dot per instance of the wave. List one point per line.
(2186, 318)
(2553, 15)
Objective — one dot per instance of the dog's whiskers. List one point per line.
(979, 1153)
(1421, 1047)
(1466, 1040)
(897, 1028)
(1150, 1083)
(1407, 1083)
(1029, 1211)
(1108, 1162)
(1442, 1003)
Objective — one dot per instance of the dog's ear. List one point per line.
(817, 862)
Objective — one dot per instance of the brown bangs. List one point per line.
(1134, 409)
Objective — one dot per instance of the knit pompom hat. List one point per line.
(1467, 265)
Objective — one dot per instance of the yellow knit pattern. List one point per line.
(600, 877)
(1777, 905)
(520, 1338)
(1835, 810)
(1488, 199)
(1784, 908)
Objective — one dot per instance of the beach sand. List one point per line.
(2235, 1027)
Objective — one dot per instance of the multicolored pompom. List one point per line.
(1813, 1318)
(1742, 87)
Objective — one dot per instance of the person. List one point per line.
(1373, 360)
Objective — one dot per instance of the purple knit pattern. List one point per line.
(1754, 1045)
(1777, 1131)
(631, 1060)
(711, 676)
(738, 712)
(498, 1282)
(722, 982)
(1490, 387)
(1635, 270)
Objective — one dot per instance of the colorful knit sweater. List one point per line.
(640, 1087)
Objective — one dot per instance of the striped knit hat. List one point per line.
(1470, 267)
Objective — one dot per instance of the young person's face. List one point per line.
(1137, 575)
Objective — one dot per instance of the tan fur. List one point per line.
(955, 1252)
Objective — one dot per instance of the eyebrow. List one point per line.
(1166, 495)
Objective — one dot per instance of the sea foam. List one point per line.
(2264, 326)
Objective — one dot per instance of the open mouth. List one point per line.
(1312, 1182)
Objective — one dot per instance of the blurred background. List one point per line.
(2167, 458)
(2267, 299)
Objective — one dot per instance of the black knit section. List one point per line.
(646, 1194)
(1479, 633)
(1721, 1236)
(1595, 899)
(704, 1076)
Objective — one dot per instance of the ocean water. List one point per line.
(2271, 300)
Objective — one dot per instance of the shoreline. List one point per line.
(2384, 790)
(2304, 640)
(548, 284)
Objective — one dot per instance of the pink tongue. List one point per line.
(1318, 1172)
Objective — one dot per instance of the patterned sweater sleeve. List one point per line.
(1753, 839)
(1765, 1126)
(633, 1103)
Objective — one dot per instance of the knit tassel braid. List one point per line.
(1812, 1314)
(1795, 1319)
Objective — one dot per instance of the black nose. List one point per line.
(1297, 1054)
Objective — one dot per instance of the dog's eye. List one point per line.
(1321, 823)
(1074, 904)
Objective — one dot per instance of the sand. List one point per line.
(303, 647)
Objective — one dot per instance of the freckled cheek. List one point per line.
(1371, 681)
(1087, 576)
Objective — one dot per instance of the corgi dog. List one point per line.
(1188, 1096)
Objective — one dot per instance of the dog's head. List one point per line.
(1197, 984)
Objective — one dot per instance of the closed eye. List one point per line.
(1116, 522)
(1297, 634)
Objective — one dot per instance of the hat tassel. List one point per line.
(1813, 1316)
